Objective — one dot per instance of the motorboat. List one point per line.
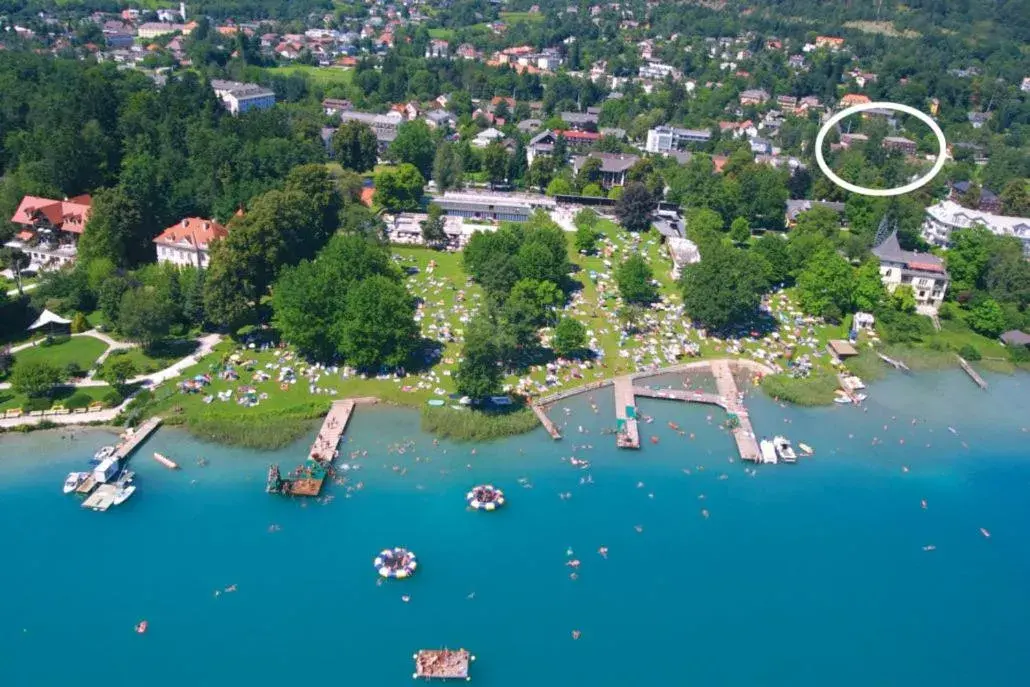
(102, 454)
(73, 480)
(784, 450)
(123, 494)
(842, 399)
(806, 450)
(768, 450)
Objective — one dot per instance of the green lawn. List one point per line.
(80, 350)
(515, 17)
(10, 400)
(161, 357)
(443, 34)
(328, 76)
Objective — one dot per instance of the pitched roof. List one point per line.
(67, 215)
(193, 232)
(890, 251)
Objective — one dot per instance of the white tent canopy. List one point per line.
(48, 318)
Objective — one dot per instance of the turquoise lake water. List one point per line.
(811, 574)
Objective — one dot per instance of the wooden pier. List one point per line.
(680, 395)
(743, 433)
(442, 664)
(896, 364)
(547, 422)
(335, 423)
(980, 381)
(102, 498)
(627, 432)
(138, 436)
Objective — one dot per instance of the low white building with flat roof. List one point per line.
(240, 97)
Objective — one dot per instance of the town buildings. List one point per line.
(923, 272)
(666, 139)
(240, 97)
(947, 216)
(614, 167)
(188, 242)
(899, 143)
(50, 230)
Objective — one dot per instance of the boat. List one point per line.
(806, 450)
(768, 451)
(166, 461)
(103, 453)
(784, 450)
(141, 627)
(860, 397)
(984, 532)
(842, 398)
(73, 480)
(123, 494)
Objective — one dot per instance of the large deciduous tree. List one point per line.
(826, 286)
(635, 207)
(145, 316)
(400, 189)
(34, 378)
(724, 289)
(115, 230)
(479, 372)
(355, 146)
(414, 145)
(570, 336)
(634, 278)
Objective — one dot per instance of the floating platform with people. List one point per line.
(397, 563)
(485, 497)
(304, 480)
(442, 664)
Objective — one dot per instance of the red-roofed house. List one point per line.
(188, 242)
(51, 229)
(854, 99)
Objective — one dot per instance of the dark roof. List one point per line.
(1016, 338)
(890, 251)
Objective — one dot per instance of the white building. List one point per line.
(683, 252)
(240, 97)
(666, 139)
(923, 272)
(658, 70)
(946, 216)
(188, 243)
(153, 29)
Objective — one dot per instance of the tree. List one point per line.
(634, 278)
(144, 317)
(773, 249)
(495, 162)
(1015, 198)
(34, 378)
(592, 191)
(115, 230)
(433, 226)
(903, 299)
(16, 261)
(570, 335)
(479, 374)
(118, 370)
(560, 152)
(79, 323)
(869, 291)
(740, 230)
(540, 172)
(414, 145)
(559, 186)
(724, 289)
(586, 238)
(355, 146)
(378, 326)
(986, 317)
(826, 285)
(968, 257)
(447, 167)
(589, 172)
(399, 189)
(703, 225)
(635, 207)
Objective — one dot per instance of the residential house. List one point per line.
(188, 242)
(334, 106)
(899, 143)
(787, 102)
(240, 97)
(978, 119)
(1014, 338)
(831, 42)
(153, 29)
(658, 70)
(665, 139)
(580, 121)
(437, 48)
(467, 51)
(923, 272)
(441, 119)
(384, 125)
(754, 96)
(988, 201)
(796, 61)
(1025, 85)
(761, 146)
(946, 216)
(848, 140)
(543, 142)
(50, 230)
(850, 99)
(486, 137)
(613, 166)
(528, 126)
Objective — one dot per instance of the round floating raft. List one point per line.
(485, 497)
(396, 563)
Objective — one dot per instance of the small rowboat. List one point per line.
(806, 449)
(166, 461)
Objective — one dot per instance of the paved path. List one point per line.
(206, 343)
(27, 287)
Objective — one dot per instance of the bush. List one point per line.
(970, 352)
(78, 400)
(79, 323)
(477, 425)
(112, 398)
(34, 404)
(73, 370)
(948, 311)
(1019, 354)
(817, 389)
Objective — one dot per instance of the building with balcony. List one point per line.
(188, 242)
(667, 139)
(947, 216)
(923, 272)
(50, 230)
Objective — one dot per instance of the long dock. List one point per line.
(627, 433)
(743, 433)
(547, 422)
(138, 436)
(335, 423)
(680, 395)
(980, 381)
(896, 364)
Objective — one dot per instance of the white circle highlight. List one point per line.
(898, 190)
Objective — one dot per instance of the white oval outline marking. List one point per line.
(898, 190)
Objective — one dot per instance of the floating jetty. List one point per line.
(166, 461)
(627, 434)
(307, 479)
(547, 422)
(980, 381)
(442, 664)
(101, 499)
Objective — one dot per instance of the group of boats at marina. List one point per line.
(780, 450)
(105, 468)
